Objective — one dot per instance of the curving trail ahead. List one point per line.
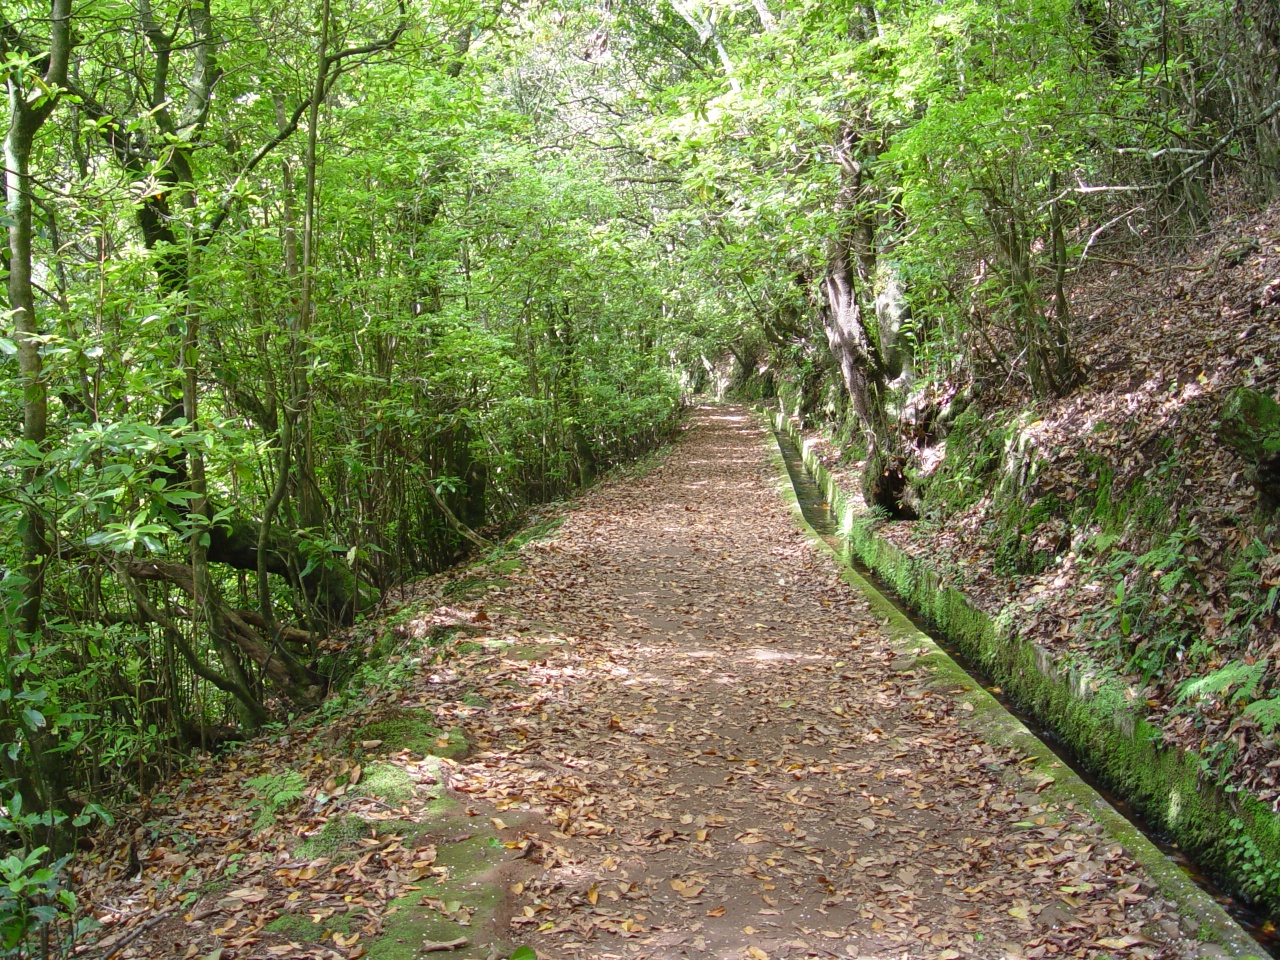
(721, 757)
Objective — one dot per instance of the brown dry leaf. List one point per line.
(1121, 943)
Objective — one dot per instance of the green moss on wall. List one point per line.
(1088, 708)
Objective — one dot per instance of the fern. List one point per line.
(275, 792)
(1265, 713)
(1102, 542)
(1237, 674)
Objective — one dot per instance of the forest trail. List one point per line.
(729, 762)
(689, 738)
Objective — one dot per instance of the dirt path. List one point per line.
(728, 762)
(689, 739)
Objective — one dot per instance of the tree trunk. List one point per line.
(35, 401)
(233, 632)
(330, 588)
(854, 352)
(29, 107)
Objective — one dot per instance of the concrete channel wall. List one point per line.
(1097, 717)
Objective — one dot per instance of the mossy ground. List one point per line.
(463, 886)
(468, 882)
(473, 588)
(535, 651)
(392, 784)
(467, 891)
(542, 530)
(410, 730)
(297, 926)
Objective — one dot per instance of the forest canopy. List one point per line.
(306, 300)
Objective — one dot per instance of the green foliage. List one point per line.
(274, 793)
(518, 260)
(1236, 677)
(975, 445)
(34, 897)
(1260, 874)
(31, 896)
(1265, 713)
(493, 322)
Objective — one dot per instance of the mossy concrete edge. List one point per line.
(989, 717)
(1094, 711)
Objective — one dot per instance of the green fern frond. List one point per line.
(274, 792)
(1238, 675)
(1265, 713)
(278, 790)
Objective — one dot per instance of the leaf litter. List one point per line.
(690, 739)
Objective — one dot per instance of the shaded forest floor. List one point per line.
(672, 731)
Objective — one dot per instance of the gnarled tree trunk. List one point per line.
(864, 337)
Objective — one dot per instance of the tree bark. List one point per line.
(851, 347)
(27, 115)
(237, 684)
(235, 542)
(30, 105)
(288, 675)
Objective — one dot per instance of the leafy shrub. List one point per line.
(1243, 678)
(32, 894)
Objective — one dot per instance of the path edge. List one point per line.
(1211, 923)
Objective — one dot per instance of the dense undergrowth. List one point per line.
(275, 349)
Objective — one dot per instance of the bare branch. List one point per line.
(1224, 141)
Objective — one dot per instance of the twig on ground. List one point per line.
(442, 945)
(1146, 271)
(135, 933)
